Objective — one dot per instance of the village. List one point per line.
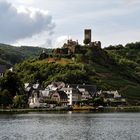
(69, 96)
(59, 94)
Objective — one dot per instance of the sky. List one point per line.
(49, 23)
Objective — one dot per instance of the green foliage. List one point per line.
(132, 92)
(133, 45)
(128, 68)
(20, 101)
(128, 63)
(10, 55)
(89, 54)
(12, 91)
(79, 57)
(99, 101)
(5, 98)
(12, 83)
(130, 51)
(116, 47)
(48, 72)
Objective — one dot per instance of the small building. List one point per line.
(113, 97)
(87, 91)
(35, 101)
(109, 94)
(74, 95)
(60, 97)
(30, 88)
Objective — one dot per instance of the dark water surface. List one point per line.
(70, 126)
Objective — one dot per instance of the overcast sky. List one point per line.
(48, 23)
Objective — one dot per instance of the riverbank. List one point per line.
(96, 110)
(122, 109)
(31, 110)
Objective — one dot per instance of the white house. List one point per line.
(73, 94)
(109, 94)
(87, 91)
(35, 100)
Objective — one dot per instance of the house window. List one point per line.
(55, 96)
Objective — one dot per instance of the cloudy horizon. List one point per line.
(50, 23)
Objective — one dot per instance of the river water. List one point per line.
(70, 126)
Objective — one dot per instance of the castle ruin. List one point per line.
(88, 39)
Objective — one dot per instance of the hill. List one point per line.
(112, 68)
(10, 55)
(128, 57)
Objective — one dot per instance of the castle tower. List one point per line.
(87, 36)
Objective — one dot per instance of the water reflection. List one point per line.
(70, 126)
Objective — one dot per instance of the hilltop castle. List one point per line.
(73, 47)
(88, 39)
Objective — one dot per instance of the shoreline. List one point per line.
(97, 110)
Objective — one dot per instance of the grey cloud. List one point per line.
(48, 43)
(15, 25)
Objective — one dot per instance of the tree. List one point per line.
(20, 101)
(99, 101)
(89, 54)
(80, 57)
(12, 83)
(5, 98)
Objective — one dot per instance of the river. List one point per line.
(70, 126)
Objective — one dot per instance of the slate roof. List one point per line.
(58, 84)
(62, 95)
(71, 88)
(90, 88)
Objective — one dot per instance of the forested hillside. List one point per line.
(10, 55)
(128, 57)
